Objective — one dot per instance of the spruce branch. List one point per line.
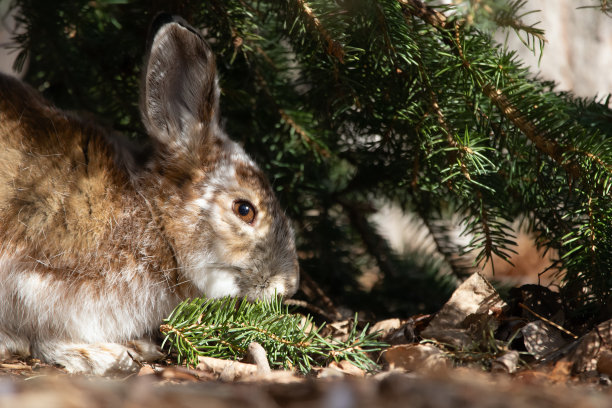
(604, 6)
(541, 138)
(418, 9)
(509, 17)
(545, 144)
(224, 328)
(307, 139)
(333, 47)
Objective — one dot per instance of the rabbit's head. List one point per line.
(214, 206)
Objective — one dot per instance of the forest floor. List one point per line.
(477, 351)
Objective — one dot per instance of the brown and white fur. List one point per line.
(100, 241)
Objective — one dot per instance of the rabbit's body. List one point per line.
(99, 242)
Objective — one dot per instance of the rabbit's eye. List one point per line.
(244, 210)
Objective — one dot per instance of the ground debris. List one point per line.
(593, 350)
(474, 302)
(506, 363)
(476, 351)
(415, 357)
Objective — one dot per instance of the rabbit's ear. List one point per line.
(179, 92)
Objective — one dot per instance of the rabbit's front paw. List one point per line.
(100, 358)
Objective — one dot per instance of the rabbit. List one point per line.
(100, 238)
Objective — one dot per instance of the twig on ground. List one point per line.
(257, 354)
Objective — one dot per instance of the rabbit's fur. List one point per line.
(99, 241)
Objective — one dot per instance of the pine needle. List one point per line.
(223, 328)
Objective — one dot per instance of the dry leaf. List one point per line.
(604, 362)
(475, 297)
(415, 357)
(275, 377)
(179, 373)
(586, 355)
(538, 299)
(338, 330)
(541, 338)
(385, 327)
(348, 368)
(329, 373)
(531, 377)
(146, 370)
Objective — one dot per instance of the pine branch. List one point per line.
(418, 9)
(224, 328)
(333, 47)
(605, 6)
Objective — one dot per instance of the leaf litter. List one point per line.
(478, 350)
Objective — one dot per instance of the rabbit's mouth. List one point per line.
(216, 280)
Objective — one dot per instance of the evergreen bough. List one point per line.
(224, 328)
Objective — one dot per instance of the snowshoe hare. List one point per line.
(99, 240)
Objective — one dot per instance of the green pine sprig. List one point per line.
(224, 328)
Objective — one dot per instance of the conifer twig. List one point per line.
(227, 328)
(418, 9)
(303, 134)
(259, 357)
(333, 47)
(564, 330)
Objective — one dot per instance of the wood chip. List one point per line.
(16, 367)
(258, 355)
(227, 370)
(506, 363)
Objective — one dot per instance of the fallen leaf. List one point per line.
(531, 377)
(475, 297)
(604, 362)
(538, 299)
(226, 370)
(542, 339)
(586, 355)
(329, 373)
(348, 368)
(275, 376)
(415, 357)
(385, 327)
(179, 373)
(146, 370)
